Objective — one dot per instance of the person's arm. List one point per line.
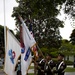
(62, 68)
(52, 64)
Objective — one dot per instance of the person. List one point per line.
(49, 65)
(60, 66)
(18, 67)
(40, 65)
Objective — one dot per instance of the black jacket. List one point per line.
(40, 68)
(48, 67)
(60, 67)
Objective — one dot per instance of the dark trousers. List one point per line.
(19, 72)
(40, 73)
(61, 73)
(49, 73)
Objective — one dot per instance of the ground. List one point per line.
(69, 70)
(67, 73)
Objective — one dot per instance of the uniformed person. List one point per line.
(49, 65)
(60, 66)
(40, 65)
(18, 67)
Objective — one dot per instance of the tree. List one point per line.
(72, 37)
(70, 11)
(1, 39)
(66, 46)
(70, 7)
(41, 14)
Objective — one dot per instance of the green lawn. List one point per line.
(31, 74)
(70, 69)
(31, 67)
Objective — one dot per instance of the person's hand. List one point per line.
(42, 70)
(54, 71)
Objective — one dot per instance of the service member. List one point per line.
(60, 66)
(40, 65)
(49, 65)
(18, 67)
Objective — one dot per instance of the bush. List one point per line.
(54, 54)
(69, 62)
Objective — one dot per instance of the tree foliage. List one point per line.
(41, 14)
(66, 46)
(72, 37)
(70, 7)
(1, 39)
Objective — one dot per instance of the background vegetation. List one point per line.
(41, 17)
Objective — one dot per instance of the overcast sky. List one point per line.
(10, 23)
(9, 4)
(67, 30)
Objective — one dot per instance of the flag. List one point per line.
(30, 29)
(26, 57)
(12, 53)
(29, 34)
(34, 47)
(27, 42)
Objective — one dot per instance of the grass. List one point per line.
(31, 74)
(1, 67)
(31, 67)
(69, 69)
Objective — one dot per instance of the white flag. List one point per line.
(12, 53)
(28, 43)
(29, 37)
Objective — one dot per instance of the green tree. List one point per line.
(1, 39)
(41, 14)
(70, 7)
(72, 37)
(66, 46)
(70, 11)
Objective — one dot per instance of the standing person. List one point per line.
(40, 65)
(60, 66)
(49, 65)
(18, 67)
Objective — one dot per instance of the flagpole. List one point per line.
(4, 25)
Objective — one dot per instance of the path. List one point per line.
(70, 73)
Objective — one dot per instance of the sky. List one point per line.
(10, 22)
(67, 30)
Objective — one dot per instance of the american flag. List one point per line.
(34, 48)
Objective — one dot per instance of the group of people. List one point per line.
(46, 66)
